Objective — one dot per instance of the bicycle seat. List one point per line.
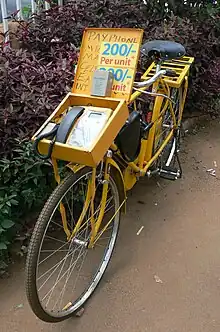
(165, 49)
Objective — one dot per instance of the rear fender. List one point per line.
(75, 167)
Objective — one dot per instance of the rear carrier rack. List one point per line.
(181, 67)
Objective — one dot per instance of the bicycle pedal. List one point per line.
(170, 173)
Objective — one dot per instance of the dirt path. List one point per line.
(180, 244)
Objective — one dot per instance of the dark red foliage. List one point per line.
(30, 91)
(34, 79)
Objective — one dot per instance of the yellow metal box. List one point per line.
(99, 147)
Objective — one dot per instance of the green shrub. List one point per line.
(24, 185)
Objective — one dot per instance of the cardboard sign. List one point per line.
(114, 50)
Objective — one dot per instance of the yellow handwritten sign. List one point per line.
(114, 50)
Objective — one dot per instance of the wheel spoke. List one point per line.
(70, 273)
(53, 238)
(83, 260)
(71, 213)
(57, 265)
(55, 223)
(72, 200)
(45, 273)
(67, 270)
(58, 280)
(100, 245)
(96, 212)
(54, 252)
(104, 238)
(49, 256)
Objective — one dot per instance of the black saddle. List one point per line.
(163, 49)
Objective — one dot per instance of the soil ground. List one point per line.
(167, 278)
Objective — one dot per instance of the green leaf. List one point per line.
(5, 210)
(1, 230)
(7, 223)
(6, 167)
(12, 196)
(3, 246)
(14, 202)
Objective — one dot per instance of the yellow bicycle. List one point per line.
(76, 231)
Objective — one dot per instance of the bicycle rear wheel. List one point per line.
(61, 275)
(167, 156)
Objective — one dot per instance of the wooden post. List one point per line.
(5, 20)
(47, 5)
(33, 6)
(19, 9)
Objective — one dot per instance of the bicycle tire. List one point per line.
(174, 142)
(36, 243)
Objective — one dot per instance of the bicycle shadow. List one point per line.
(143, 210)
(140, 217)
(150, 208)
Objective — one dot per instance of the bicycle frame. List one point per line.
(89, 202)
(146, 156)
(138, 168)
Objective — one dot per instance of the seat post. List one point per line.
(158, 62)
(158, 66)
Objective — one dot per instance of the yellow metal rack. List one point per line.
(181, 67)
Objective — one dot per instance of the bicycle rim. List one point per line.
(62, 275)
(168, 152)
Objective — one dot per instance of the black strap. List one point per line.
(52, 135)
(60, 132)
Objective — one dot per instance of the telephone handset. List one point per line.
(79, 128)
(59, 132)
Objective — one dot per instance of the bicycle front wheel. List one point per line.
(61, 275)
